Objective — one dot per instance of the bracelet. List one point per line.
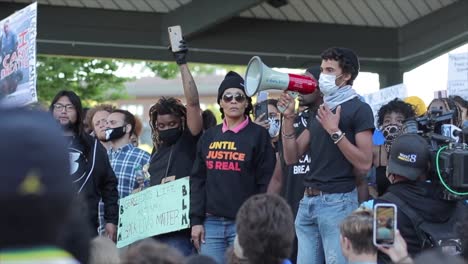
(290, 136)
(340, 138)
(401, 261)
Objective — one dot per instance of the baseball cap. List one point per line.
(409, 156)
(35, 161)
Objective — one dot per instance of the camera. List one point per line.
(449, 157)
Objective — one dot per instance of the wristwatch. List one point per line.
(336, 135)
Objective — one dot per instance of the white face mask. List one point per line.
(327, 84)
(274, 127)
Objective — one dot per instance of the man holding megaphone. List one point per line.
(339, 139)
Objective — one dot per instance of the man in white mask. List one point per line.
(339, 139)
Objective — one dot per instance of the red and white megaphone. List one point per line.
(259, 77)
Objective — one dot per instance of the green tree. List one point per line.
(91, 79)
(170, 70)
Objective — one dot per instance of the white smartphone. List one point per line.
(385, 223)
(175, 36)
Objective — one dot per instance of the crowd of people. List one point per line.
(276, 190)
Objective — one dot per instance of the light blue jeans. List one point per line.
(317, 227)
(220, 233)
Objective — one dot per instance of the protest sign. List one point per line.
(18, 57)
(385, 95)
(457, 82)
(157, 210)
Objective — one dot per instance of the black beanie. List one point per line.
(231, 80)
(315, 71)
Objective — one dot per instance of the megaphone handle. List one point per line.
(293, 95)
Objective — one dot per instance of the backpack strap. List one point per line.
(415, 219)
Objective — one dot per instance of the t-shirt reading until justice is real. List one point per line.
(230, 166)
(331, 171)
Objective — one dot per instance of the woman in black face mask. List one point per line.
(391, 117)
(175, 132)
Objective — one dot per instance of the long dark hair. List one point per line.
(78, 127)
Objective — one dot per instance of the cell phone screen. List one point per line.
(385, 225)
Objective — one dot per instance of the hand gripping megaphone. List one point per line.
(259, 77)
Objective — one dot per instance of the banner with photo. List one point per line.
(18, 58)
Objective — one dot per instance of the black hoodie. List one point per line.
(98, 180)
(424, 199)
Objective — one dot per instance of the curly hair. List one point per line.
(166, 106)
(91, 112)
(395, 106)
(265, 229)
(346, 58)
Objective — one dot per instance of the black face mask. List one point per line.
(170, 136)
(115, 133)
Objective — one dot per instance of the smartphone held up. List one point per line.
(175, 36)
(385, 223)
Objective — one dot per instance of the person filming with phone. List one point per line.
(415, 197)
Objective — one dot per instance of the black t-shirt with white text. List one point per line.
(331, 171)
(293, 175)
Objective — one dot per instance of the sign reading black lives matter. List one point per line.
(157, 210)
(18, 57)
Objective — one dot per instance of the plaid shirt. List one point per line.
(124, 162)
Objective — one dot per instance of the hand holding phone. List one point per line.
(385, 222)
(178, 45)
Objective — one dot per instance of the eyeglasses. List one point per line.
(238, 97)
(60, 107)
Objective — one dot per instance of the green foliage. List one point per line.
(92, 79)
(170, 70)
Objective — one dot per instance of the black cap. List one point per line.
(231, 80)
(35, 160)
(409, 156)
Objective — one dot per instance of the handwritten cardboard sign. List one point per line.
(377, 99)
(157, 210)
(18, 58)
(457, 81)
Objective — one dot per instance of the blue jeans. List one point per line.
(317, 227)
(179, 240)
(220, 233)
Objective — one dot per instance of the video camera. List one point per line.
(449, 157)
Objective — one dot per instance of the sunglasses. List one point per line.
(238, 97)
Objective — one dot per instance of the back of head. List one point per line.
(35, 190)
(265, 229)
(346, 58)
(209, 119)
(358, 229)
(409, 157)
(103, 251)
(150, 251)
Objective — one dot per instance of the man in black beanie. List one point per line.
(234, 159)
(36, 191)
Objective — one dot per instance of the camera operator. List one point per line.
(407, 170)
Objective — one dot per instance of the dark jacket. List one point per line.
(100, 183)
(424, 199)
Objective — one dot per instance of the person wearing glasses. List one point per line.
(90, 169)
(234, 161)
